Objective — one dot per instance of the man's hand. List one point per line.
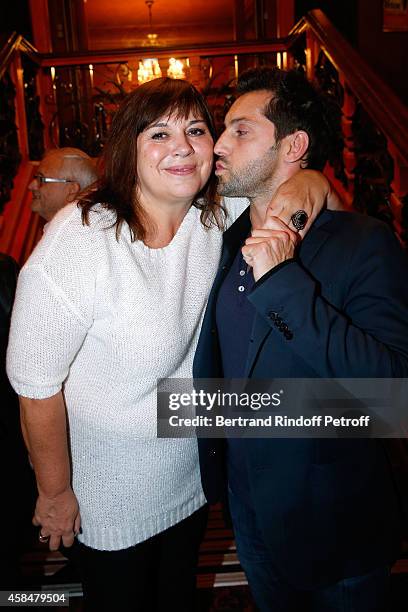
(269, 246)
(58, 517)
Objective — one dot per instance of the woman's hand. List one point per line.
(58, 518)
(274, 239)
(306, 190)
(44, 427)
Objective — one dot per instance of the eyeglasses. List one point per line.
(47, 179)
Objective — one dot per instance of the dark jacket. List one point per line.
(327, 508)
(17, 481)
(9, 417)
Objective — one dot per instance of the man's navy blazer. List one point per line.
(327, 508)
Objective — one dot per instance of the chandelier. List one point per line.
(149, 69)
(152, 38)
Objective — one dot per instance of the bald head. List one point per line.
(76, 172)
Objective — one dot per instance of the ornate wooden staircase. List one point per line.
(69, 100)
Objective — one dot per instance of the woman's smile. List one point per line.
(175, 159)
(181, 170)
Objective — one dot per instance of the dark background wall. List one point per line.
(342, 13)
(387, 52)
(15, 15)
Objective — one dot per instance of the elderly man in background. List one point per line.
(61, 175)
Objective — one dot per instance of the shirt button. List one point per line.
(241, 288)
(242, 272)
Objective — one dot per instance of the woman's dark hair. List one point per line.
(116, 188)
(297, 104)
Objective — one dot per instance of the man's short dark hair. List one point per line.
(296, 104)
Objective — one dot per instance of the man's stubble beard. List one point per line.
(251, 180)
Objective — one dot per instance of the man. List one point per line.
(316, 521)
(61, 175)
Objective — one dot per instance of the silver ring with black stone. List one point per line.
(299, 219)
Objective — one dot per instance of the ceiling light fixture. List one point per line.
(149, 69)
(151, 36)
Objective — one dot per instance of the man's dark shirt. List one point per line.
(235, 316)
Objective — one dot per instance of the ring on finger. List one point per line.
(299, 219)
(43, 538)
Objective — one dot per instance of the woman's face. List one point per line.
(174, 159)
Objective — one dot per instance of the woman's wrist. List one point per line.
(52, 491)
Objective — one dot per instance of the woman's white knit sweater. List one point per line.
(104, 319)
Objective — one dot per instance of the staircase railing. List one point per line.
(375, 121)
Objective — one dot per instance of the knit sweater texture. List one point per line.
(103, 319)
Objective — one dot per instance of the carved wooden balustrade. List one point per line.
(21, 143)
(375, 123)
(75, 96)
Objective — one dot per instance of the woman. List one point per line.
(112, 299)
